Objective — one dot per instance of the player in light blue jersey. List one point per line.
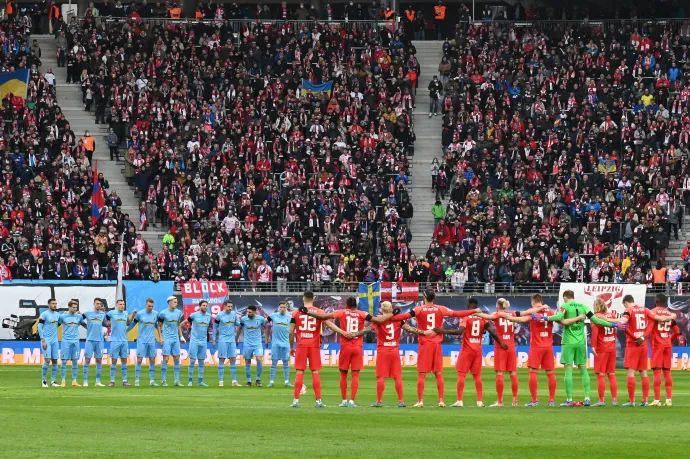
(48, 323)
(170, 328)
(198, 344)
(95, 321)
(70, 321)
(119, 347)
(146, 340)
(225, 336)
(280, 342)
(253, 343)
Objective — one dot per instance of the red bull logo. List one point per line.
(607, 293)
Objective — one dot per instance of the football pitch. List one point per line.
(251, 422)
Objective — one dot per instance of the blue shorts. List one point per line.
(93, 349)
(119, 349)
(280, 353)
(227, 350)
(69, 350)
(51, 351)
(146, 350)
(252, 351)
(171, 348)
(197, 350)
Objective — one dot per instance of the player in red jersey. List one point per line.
(663, 334)
(307, 330)
(540, 348)
(470, 360)
(388, 352)
(604, 350)
(504, 360)
(430, 360)
(636, 350)
(351, 355)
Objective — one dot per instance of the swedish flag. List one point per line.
(15, 83)
(309, 87)
(369, 297)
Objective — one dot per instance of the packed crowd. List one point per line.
(47, 178)
(258, 180)
(565, 154)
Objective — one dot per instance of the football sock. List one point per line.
(99, 371)
(514, 385)
(190, 369)
(164, 370)
(75, 367)
(478, 385)
(601, 387)
(176, 369)
(668, 384)
(613, 386)
(113, 370)
(299, 382)
(233, 370)
(657, 384)
(316, 382)
(44, 369)
(399, 388)
(86, 370)
(286, 370)
(54, 372)
(500, 384)
(259, 369)
(152, 369)
(63, 370)
(632, 382)
(221, 370)
(533, 385)
(201, 370)
(355, 385)
(125, 370)
(569, 383)
(380, 386)
(440, 386)
(137, 371)
(248, 371)
(585, 381)
(421, 379)
(274, 365)
(343, 385)
(552, 385)
(460, 386)
(645, 388)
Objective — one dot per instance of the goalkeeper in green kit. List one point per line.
(574, 343)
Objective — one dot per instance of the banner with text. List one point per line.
(612, 294)
(215, 292)
(29, 353)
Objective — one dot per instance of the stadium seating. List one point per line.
(565, 152)
(246, 169)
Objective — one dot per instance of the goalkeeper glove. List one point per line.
(619, 325)
(539, 317)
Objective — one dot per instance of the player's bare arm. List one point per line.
(521, 319)
(492, 332)
(663, 318)
(131, 317)
(363, 332)
(337, 329)
(291, 337)
(442, 331)
(315, 314)
(485, 316)
(413, 330)
(381, 318)
(179, 331)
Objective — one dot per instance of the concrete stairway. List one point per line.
(69, 98)
(675, 248)
(427, 147)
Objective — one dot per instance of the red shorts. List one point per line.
(505, 360)
(311, 354)
(388, 365)
(636, 357)
(430, 358)
(350, 358)
(541, 357)
(469, 361)
(605, 362)
(662, 357)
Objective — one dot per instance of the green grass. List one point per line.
(256, 422)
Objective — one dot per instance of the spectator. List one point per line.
(439, 212)
(435, 88)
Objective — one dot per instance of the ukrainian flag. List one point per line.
(369, 297)
(15, 83)
(310, 88)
